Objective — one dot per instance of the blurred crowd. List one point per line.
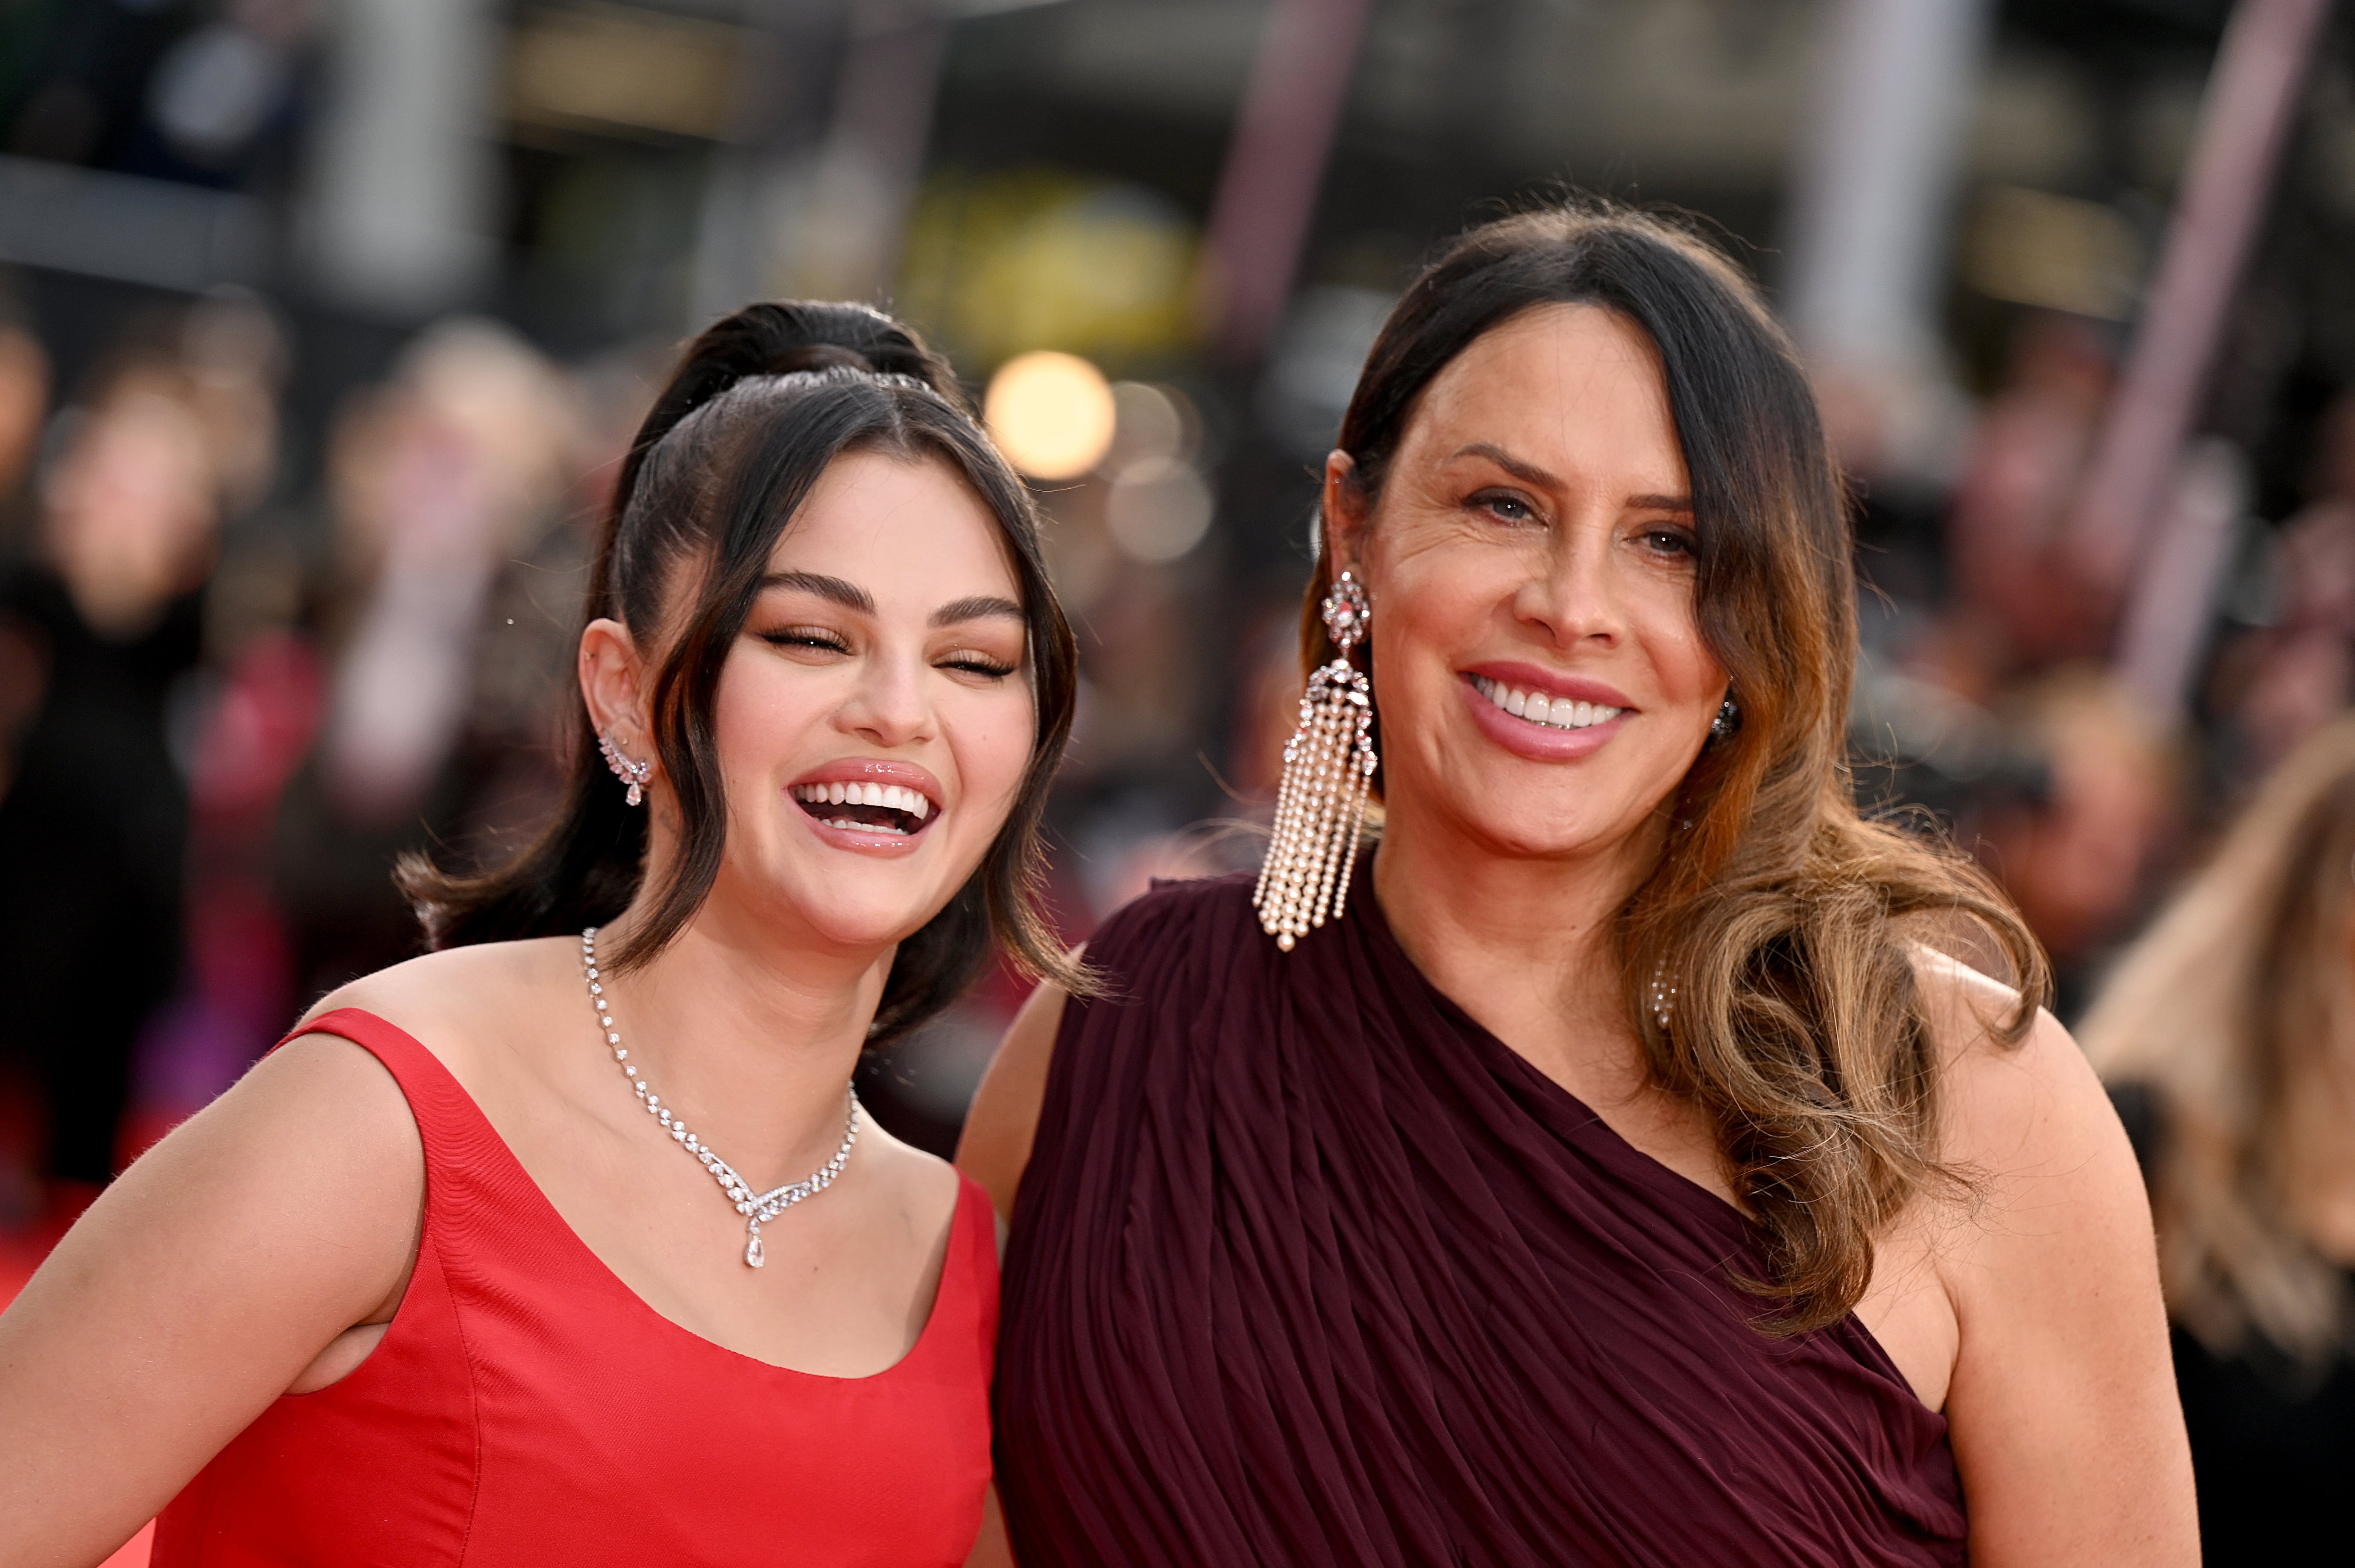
(228, 702)
(276, 609)
(224, 709)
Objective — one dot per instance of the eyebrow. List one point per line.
(980, 607)
(850, 596)
(1531, 473)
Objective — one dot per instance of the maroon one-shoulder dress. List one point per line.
(1309, 1268)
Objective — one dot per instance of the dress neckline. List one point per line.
(952, 1266)
(1573, 1114)
(1575, 1118)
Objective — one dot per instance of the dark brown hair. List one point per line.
(1782, 919)
(759, 408)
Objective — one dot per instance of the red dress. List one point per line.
(526, 1407)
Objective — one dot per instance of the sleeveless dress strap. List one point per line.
(972, 1265)
(436, 1098)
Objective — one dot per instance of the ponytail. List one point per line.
(760, 405)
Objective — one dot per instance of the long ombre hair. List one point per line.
(2234, 1012)
(1786, 922)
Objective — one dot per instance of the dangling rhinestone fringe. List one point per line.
(1328, 767)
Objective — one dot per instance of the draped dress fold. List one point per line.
(1309, 1268)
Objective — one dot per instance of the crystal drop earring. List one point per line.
(1728, 720)
(1328, 766)
(633, 774)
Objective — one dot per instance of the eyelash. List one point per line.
(1493, 500)
(972, 664)
(797, 638)
(1490, 500)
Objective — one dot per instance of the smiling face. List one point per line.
(1539, 667)
(874, 719)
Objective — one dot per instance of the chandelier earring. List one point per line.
(633, 774)
(1728, 720)
(1328, 767)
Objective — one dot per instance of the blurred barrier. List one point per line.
(867, 168)
(1267, 191)
(2174, 602)
(1876, 184)
(2252, 92)
(405, 175)
(134, 230)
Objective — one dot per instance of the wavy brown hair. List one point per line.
(2232, 1014)
(1788, 922)
(759, 408)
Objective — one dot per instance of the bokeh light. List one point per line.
(1053, 414)
(1158, 510)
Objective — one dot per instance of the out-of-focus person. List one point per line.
(447, 627)
(23, 411)
(2077, 834)
(2279, 684)
(2018, 597)
(2228, 1037)
(247, 724)
(105, 620)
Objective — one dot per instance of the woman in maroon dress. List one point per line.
(1612, 1168)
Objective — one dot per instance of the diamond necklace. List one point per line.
(758, 1207)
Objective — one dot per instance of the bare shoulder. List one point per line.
(449, 1000)
(2061, 1403)
(2014, 1106)
(1004, 1119)
(921, 1188)
(216, 1272)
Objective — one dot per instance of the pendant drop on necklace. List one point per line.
(758, 1207)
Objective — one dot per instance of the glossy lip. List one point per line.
(875, 770)
(1542, 742)
(1553, 683)
(871, 769)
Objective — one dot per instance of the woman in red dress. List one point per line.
(567, 1241)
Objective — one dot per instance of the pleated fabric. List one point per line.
(1309, 1268)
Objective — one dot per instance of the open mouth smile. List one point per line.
(853, 806)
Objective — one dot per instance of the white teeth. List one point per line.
(893, 797)
(849, 827)
(1555, 713)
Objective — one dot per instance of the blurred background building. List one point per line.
(321, 322)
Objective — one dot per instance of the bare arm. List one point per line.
(202, 1286)
(995, 1146)
(994, 1150)
(991, 1550)
(2062, 1407)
